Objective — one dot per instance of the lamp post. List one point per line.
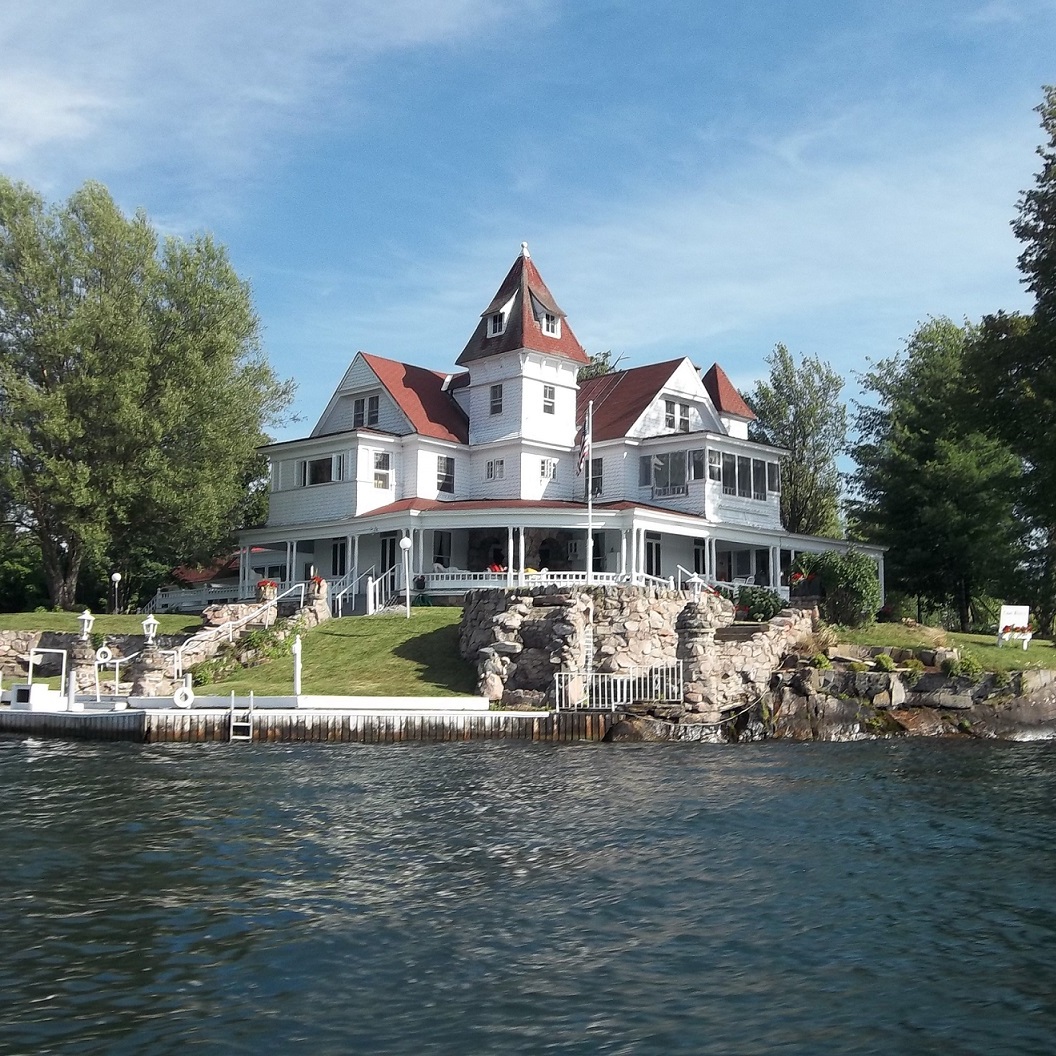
(116, 580)
(86, 620)
(405, 546)
(150, 628)
(694, 583)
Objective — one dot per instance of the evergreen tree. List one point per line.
(1013, 375)
(930, 486)
(132, 387)
(799, 407)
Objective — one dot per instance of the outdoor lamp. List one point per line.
(405, 546)
(695, 582)
(86, 619)
(115, 579)
(150, 628)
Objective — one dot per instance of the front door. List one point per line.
(389, 550)
(652, 554)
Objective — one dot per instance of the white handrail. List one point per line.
(229, 628)
(352, 587)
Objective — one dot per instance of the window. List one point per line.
(700, 556)
(338, 557)
(669, 414)
(548, 399)
(496, 324)
(365, 411)
(496, 399)
(382, 475)
(495, 469)
(597, 475)
(548, 469)
(758, 479)
(744, 476)
(729, 474)
(551, 325)
(714, 465)
(319, 470)
(442, 549)
(665, 471)
(445, 474)
(697, 465)
(773, 477)
(683, 417)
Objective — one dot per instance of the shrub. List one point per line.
(217, 669)
(851, 585)
(914, 669)
(759, 603)
(972, 667)
(858, 667)
(820, 661)
(883, 662)
(951, 667)
(1001, 679)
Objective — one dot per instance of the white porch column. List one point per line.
(291, 568)
(623, 551)
(288, 559)
(880, 575)
(520, 556)
(775, 567)
(355, 553)
(421, 551)
(509, 555)
(348, 555)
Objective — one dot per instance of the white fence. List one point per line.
(609, 690)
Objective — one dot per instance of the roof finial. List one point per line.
(524, 251)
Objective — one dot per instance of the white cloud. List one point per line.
(130, 81)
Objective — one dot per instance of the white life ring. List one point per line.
(183, 697)
(104, 654)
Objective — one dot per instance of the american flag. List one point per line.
(583, 442)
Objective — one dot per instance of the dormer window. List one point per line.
(551, 325)
(365, 411)
(496, 324)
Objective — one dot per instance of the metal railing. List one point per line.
(213, 634)
(610, 690)
(355, 585)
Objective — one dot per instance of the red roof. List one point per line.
(523, 283)
(621, 397)
(726, 398)
(419, 394)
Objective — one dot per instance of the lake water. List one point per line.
(883, 897)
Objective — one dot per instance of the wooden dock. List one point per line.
(200, 726)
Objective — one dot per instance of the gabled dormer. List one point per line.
(522, 361)
(734, 413)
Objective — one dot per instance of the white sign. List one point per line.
(1013, 616)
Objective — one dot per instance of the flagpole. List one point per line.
(588, 440)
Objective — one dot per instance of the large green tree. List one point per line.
(1013, 371)
(799, 407)
(932, 486)
(133, 390)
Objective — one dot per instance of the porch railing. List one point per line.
(610, 690)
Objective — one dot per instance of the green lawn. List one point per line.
(120, 624)
(369, 656)
(1010, 657)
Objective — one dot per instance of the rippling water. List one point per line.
(888, 897)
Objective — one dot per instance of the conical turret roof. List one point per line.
(524, 301)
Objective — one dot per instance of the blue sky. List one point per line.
(693, 178)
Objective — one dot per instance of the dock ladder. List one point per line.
(240, 721)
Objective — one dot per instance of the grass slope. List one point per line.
(1011, 657)
(369, 656)
(66, 622)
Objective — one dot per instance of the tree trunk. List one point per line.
(62, 567)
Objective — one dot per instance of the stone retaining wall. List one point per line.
(521, 637)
